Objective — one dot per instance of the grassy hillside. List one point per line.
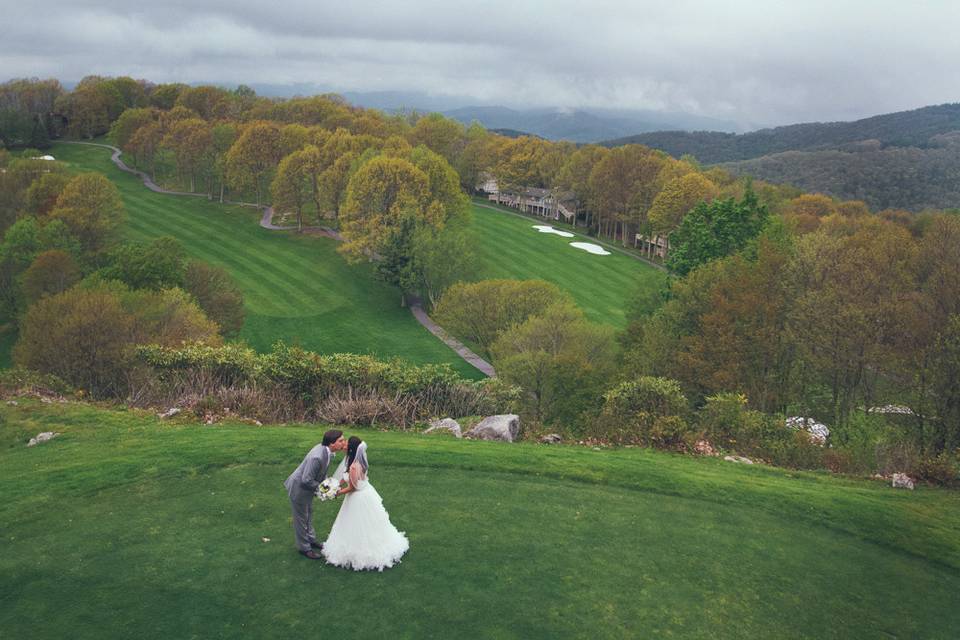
(510, 247)
(297, 289)
(128, 527)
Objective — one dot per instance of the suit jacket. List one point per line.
(303, 482)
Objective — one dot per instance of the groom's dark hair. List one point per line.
(331, 436)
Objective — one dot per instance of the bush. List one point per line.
(942, 469)
(290, 383)
(648, 411)
(19, 381)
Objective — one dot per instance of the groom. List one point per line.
(302, 485)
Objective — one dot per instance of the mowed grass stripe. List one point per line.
(297, 289)
(509, 247)
(274, 285)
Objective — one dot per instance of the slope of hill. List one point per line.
(296, 289)
(128, 526)
(581, 125)
(901, 129)
(893, 177)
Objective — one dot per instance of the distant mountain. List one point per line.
(903, 129)
(580, 125)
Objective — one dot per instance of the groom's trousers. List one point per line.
(303, 532)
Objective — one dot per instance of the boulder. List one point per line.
(818, 431)
(447, 424)
(42, 437)
(902, 481)
(739, 459)
(551, 438)
(704, 448)
(169, 413)
(12, 403)
(505, 427)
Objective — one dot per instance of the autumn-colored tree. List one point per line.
(208, 102)
(164, 96)
(50, 273)
(575, 174)
(805, 212)
(441, 135)
(224, 134)
(191, 141)
(333, 183)
(857, 280)
(380, 194)
(144, 144)
(622, 185)
(254, 156)
(518, 163)
(677, 197)
(85, 335)
(91, 207)
(129, 122)
(293, 137)
(41, 196)
(296, 182)
(442, 181)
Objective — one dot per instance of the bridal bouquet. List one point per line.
(328, 489)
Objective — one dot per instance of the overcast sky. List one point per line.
(760, 62)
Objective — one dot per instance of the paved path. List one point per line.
(416, 307)
(603, 243)
(266, 221)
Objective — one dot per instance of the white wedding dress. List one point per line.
(362, 536)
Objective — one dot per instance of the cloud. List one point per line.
(772, 61)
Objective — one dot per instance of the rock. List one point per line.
(46, 400)
(169, 413)
(505, 427)
(902, 481)
(817, 430)
(447, 424)
(739, 459)
(551, 438)
(12, 403)
(42, 437)
(704, 448)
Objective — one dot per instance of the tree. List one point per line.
(50, 273)
(647, 410)
(622, 185)
(296, 182)
(253, 156)
(479, 311)
(715, 230)
(42, 195)
(90, 206)
(144, 144)
(217, 294)
(379, 195)
(441, 135)
(85, 335)
(129, 122)
(442, 258)
(158, 265)
(191, 141)
(560, 360)
(678, 196)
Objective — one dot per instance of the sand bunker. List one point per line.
(545, 228)
(591, 248)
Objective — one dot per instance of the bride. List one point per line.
(362, 536)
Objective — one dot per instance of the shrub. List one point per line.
(480, 311)
(291, 383)
(942, 469)
(217, 294)
(649, 411)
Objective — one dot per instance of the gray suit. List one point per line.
(301, 486)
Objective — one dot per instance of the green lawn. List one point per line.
(510, 247)
(127, 527)
(296, 288)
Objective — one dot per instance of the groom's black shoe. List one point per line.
(311, 555)
(317, 545)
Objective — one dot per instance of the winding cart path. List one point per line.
(266, 221)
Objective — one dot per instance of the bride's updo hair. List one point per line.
(352, 445)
